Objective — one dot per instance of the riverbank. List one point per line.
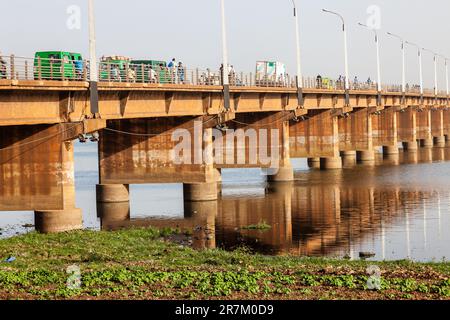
(150, 264)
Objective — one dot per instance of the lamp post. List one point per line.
(403, 65)
(435, 60)
(419, 50)
(299, 78)
(226, 83)
(377, 43)
(347, 81)
(446, 74)
(93, 70)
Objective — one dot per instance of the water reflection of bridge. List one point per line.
(322, 213)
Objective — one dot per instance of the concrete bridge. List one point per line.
(137, 124)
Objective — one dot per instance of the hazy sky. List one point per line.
(257, 30)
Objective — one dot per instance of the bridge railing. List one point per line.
(22, 68)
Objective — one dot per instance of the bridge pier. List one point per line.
(410, 146)
(439, 142)
(330, 163)
(348, 158)
(69, 217)
(314, 163)
(366, 156)
(113, 203)
(390, 150)
(426, 143)
(447, 140)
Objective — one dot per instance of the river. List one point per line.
(397, 209)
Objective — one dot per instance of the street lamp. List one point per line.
(226, 83)
(299, 79)
(446, 73)
(403, 65)
(377, 43)
(419, 50)
(435, 59)
(347, 83)
(93, 70)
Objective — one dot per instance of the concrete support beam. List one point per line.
(69, 218)
(158, 150)
(407, 128)
(355, 131)
(385, 128)
(285, 172)
(315, 137)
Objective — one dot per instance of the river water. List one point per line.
(395, 210)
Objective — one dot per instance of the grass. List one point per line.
(261, 226)
(144, 264)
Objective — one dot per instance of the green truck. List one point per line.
(58, 65)
(160, 74)
(114, 68)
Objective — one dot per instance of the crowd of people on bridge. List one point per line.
(2, 67)
(339, 83)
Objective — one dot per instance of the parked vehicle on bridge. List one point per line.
(58, 65)
(270, 73)
(114, 68)
(160, 75)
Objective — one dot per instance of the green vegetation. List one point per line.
(144, 264)
(261, 226)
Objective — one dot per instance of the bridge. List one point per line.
(182, 132)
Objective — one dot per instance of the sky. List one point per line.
(190, 30)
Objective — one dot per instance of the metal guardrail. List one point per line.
(21, 68)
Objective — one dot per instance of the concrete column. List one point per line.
(426, 143)
(439, 142)
(330, 163)
(285, 172)
(390, 150)
(55, 221)
(68, 218)
(348, 158)
(366, 156)
(200, 191)
(314, 163)
(113, 193)
(410, 146)
(113, 204)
